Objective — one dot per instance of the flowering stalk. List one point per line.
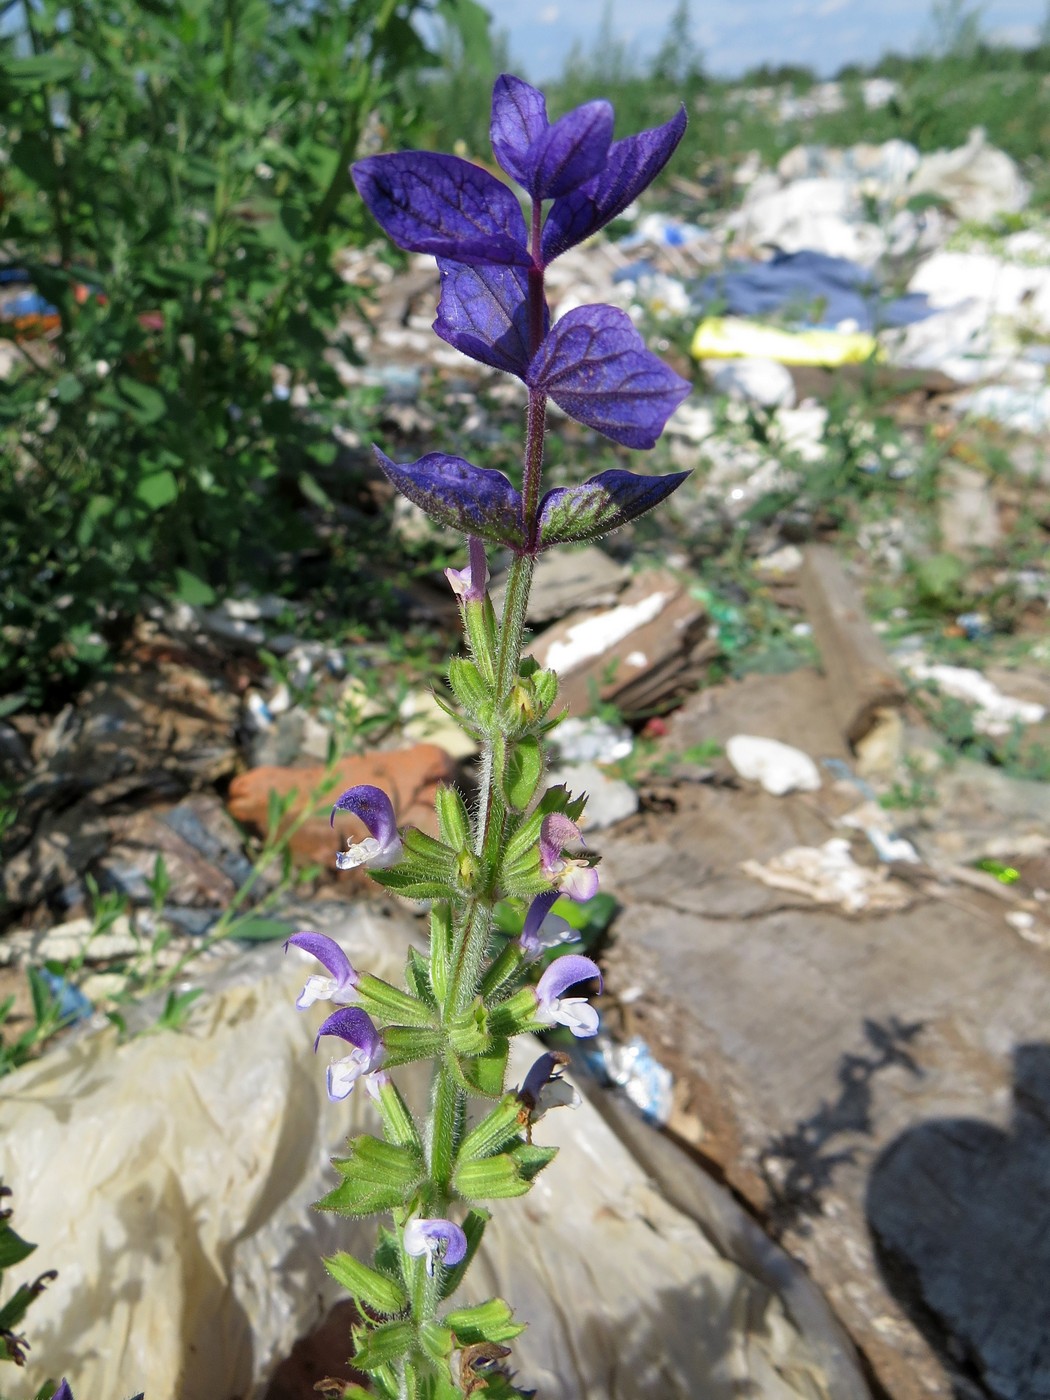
(461, 1007)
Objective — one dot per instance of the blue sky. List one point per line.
(734, 34)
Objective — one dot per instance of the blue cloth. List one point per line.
(814, 289)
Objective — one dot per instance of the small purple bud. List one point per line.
(340, 985)
(357, 1028)
(573, 1012)
(442, 1241)
(462, 581)
(382, 847)
(63, 1392)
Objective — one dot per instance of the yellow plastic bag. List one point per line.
(732, 337)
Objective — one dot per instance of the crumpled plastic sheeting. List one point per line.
(169, 1181)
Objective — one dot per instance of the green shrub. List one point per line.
(177, 188)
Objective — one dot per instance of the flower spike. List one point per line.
(340, 986)
(573, 1012)
(357, 1028)
(381, 848)
(442, 1241)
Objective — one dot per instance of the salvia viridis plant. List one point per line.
(461, 1006)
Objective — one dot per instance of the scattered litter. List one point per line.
(778, 767)
(588, 739)
(1028, 927)
(978, 181)
(995, 714)
(783, 563)
(631, 1066)
(726, 337)
(662, 228)
(73, 1005)
(640, 655)
(828, 874)
(877, 826)
(1022, 408)
(811, 289)
(764, 382)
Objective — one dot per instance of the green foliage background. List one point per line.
(177, 187)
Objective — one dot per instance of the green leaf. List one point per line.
(379, 1346)
(314, 492)
(16, 1307)
(407, 1043)
(24, 74)
(496, 1178)
(413, 883)
(484, 1074)
(365, 1285)
(256, 929)
(158, 490)
(147, 405)
(436, 1341)
(377, 1176)
(488, 1322)
(417, 975)
(453, 821)
(471, 22)
(193, 590)
(495, 1130)
(13, 1249)
(523, 772)
(378, 996)
(177, 1009)
(440, 946)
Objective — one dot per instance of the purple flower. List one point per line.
(469, 584)
(63, 1392)
(574, 1012)
(356, 1027)
(382, 846)
(442, 1241)
(542, 929)
(343, 980)
(572, 875)
(544, 1088)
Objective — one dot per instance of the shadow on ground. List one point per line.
(959, 1211)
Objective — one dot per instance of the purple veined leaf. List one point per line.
(432, 203)
(595, 366)
(477, 500)
(570, 152)
(570, 514)
(631, 165)
(548, 160)
(519, 119)
(484, 312)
